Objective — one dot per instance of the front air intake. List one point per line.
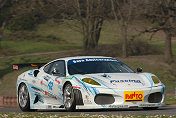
(104, 99)
(155, 97)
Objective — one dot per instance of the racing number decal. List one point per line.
(133, 96)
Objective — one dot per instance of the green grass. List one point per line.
(61, 30)
(171, 99)
(32, 46)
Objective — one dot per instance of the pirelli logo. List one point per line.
(133, 96)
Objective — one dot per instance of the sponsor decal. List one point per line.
(56, 107)
(86, 96)
(35, 88)
(87, 101)
(118, 106)
(41, 82)
(76, 87)
(55, 97)
(15, 67)
(57, 81)
(90, 60)
(51, 95)
(69, 78)
(33, 81)
(125, 81)
(50, 85)
(49, 107)
(147, 105)
(46, 78)
(45, 92)
(133, 96)
(30, 73)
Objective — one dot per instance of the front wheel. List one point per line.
(150, 108)
(68, 98)
(23, 98)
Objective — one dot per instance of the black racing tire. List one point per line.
(69, 98)
(150, 108)
(23, 98)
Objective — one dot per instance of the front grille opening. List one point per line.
(155, 97)
(104, 99)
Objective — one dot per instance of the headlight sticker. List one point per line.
(155, 80)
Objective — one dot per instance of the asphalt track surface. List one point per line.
(167, 110)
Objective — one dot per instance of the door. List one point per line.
(52, 77)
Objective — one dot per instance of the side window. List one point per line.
(59, 66)
(47, 68)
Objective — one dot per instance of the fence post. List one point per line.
(1, 100)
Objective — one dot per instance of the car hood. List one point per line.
(122, 80)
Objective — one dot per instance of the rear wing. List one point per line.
(19, 66)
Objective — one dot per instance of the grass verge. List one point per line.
(82, 115)
(171, 99)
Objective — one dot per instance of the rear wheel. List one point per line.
(150, 108)
(23, 98)
(68, 98)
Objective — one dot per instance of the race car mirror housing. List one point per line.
(139, 70)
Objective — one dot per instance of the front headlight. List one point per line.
(90, 81)
(155, 80)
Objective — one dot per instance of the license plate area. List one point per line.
(133, 96)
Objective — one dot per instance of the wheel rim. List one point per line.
(23, 96)
(68, 96)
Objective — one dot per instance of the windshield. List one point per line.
(110, 65)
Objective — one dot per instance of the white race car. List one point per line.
(87, 82)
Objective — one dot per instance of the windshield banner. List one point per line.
(74, 61)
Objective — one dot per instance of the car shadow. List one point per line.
(104, 110)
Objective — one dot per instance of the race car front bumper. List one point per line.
(115, 98)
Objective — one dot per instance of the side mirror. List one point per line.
(139, 70)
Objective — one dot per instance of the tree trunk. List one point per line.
(91, 36)
(89, 41)
(1, 33)
(97, 35)
(1, 30)
(124, 40)
(168, 48)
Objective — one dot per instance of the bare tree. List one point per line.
(2, 21)
(90, 14)
(162, 13)
(11, 8)
(124, 12)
